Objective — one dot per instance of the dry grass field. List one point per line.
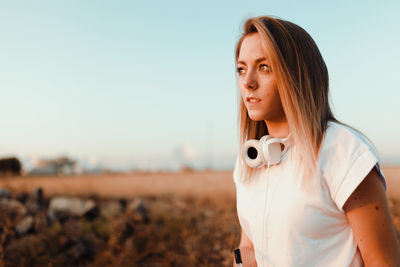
(392, 175)
(192, 221)
(129, 185)
(204, 184)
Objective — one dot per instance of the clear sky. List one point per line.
(143, 83)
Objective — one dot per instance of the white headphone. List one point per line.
(267, 151)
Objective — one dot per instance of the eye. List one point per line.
(264, 67)
(240, 70)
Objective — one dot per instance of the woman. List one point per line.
(321, 200)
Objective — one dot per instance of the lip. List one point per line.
(252, 105)
(252, 100)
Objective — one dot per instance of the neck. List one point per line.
(277, 128)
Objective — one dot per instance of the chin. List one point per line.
(256, 116)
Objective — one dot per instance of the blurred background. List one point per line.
(134, 103)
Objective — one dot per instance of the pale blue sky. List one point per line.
(127, 83)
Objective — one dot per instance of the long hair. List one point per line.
(302, 82)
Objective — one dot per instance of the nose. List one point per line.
(250, 82)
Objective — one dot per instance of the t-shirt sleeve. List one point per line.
(356, 173)
(347, 163)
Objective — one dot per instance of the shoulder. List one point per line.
(346, 157)
(239, 171)
(241, 175)
(343, 137)
(342, 143)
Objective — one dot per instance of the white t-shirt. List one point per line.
(291, 227)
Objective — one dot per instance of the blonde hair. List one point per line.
(302, 82)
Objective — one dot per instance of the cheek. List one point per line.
(275, 96)
(275, 101)
(271, 92)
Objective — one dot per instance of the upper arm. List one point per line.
(245, 240)
(247, 251)
(368, 213)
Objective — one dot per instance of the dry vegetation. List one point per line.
(129, 185)
(179, 232)
(192, 221)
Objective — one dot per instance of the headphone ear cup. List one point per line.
(271, 150)
(252, 154)
(264, 139)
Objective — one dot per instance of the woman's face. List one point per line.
(257, 82)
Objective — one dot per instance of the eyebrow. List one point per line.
(258, 60)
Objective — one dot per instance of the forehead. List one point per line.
(251, 48)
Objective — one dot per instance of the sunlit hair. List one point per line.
(302, 81)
